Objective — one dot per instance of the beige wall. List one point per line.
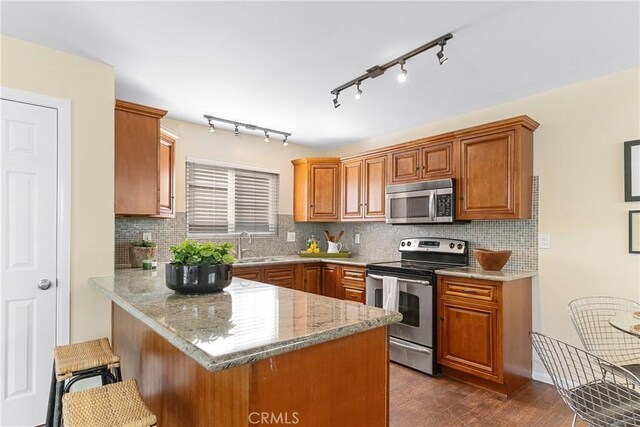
(245, 149)
(90, 87)
(579, 157)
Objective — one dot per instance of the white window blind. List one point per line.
(226, 200)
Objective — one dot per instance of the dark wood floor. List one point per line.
(418, 400)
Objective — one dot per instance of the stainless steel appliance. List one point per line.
(421, 202)
(412, 342)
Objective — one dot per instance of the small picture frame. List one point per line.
(634, 232)
(632, 171)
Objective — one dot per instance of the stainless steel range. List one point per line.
(412, 342)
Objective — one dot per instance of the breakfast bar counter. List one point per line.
(253, 350)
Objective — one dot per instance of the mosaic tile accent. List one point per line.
(378, 240)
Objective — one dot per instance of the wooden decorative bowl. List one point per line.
(491, 260)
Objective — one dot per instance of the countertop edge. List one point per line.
(496, 276)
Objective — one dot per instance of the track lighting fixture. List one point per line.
(212, 128)
(358, 94)
(402, 77)
(236, 125)
(378, 70)
(441, 56)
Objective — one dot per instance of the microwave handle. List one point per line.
(432, 206)
(417, 282)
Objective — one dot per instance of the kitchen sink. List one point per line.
(253, 260)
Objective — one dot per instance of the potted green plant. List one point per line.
(140, 250)
(200, 267)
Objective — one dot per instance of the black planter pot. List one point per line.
(198, 279)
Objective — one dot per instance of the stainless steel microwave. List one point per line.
(421, 202)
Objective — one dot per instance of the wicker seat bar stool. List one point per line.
(75, 362)
(112, 405)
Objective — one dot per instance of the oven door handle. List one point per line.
(408, 346)
(417, 282)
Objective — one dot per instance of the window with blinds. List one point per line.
(224, 200)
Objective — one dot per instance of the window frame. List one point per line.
(231, 199)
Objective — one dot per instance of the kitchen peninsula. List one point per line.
(253, 351)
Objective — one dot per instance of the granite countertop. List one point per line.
(246, 322)
(295, 259)
(478, 273)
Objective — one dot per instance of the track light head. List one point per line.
(212, 128)
(402, 77)
(236, 132)
(266, 136)
(336, 104)
(441, 56)
(358, 94)
(284, 141)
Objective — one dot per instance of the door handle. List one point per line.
(44, 284)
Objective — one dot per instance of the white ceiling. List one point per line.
(274, 64)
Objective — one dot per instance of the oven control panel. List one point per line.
(433, 244)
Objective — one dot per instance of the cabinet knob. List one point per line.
(460, 197)
(442, 318)
(310, 206)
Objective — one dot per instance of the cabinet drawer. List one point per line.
(283, 276)
(469, 290)
(254, 274)
(353, 294)
(355, 275)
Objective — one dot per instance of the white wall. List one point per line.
(248, 148)
(90, 87)
(578, 154)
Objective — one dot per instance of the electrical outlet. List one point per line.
(544, 241)
(291, 236)
(146, 236)
(356, 238)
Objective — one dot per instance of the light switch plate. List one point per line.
(291, 236)
(146, 236)
(357, 238)
(544, 241)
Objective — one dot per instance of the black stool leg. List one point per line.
(57, 415)
(118, 374)
(52, 398)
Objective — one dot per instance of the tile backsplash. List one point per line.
(377, 239)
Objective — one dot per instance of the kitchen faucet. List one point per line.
(239, 249)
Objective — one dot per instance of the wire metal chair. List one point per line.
(590, 316)
(600, 400)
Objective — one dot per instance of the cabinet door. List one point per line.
(249, 273)
(284, 276)
(136, 164)
(352, 202)
(324, 192)
(312, 279)
(468, 336)
(438, 160)
(167, 176)
(405, 166)
(330, 281)
(487, 177)
(375, 173)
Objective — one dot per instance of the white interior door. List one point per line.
(28, 192)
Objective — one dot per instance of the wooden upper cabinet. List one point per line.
(405, 166)
(316, 189)
(137, 159)
(496, 171)
(363, 188)
(352, 201)
(167, 175)
(375, 180)
(438, 160)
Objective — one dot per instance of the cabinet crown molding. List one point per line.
(139, 109)
(309, 160)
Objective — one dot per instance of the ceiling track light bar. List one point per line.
(235, 124)
(378, 70)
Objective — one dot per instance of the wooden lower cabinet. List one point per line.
(483, 332)
(330, 286)
(249, 273)
(277, 275)
(312, 279)
(353, 283)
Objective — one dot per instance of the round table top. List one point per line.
(624, 322)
